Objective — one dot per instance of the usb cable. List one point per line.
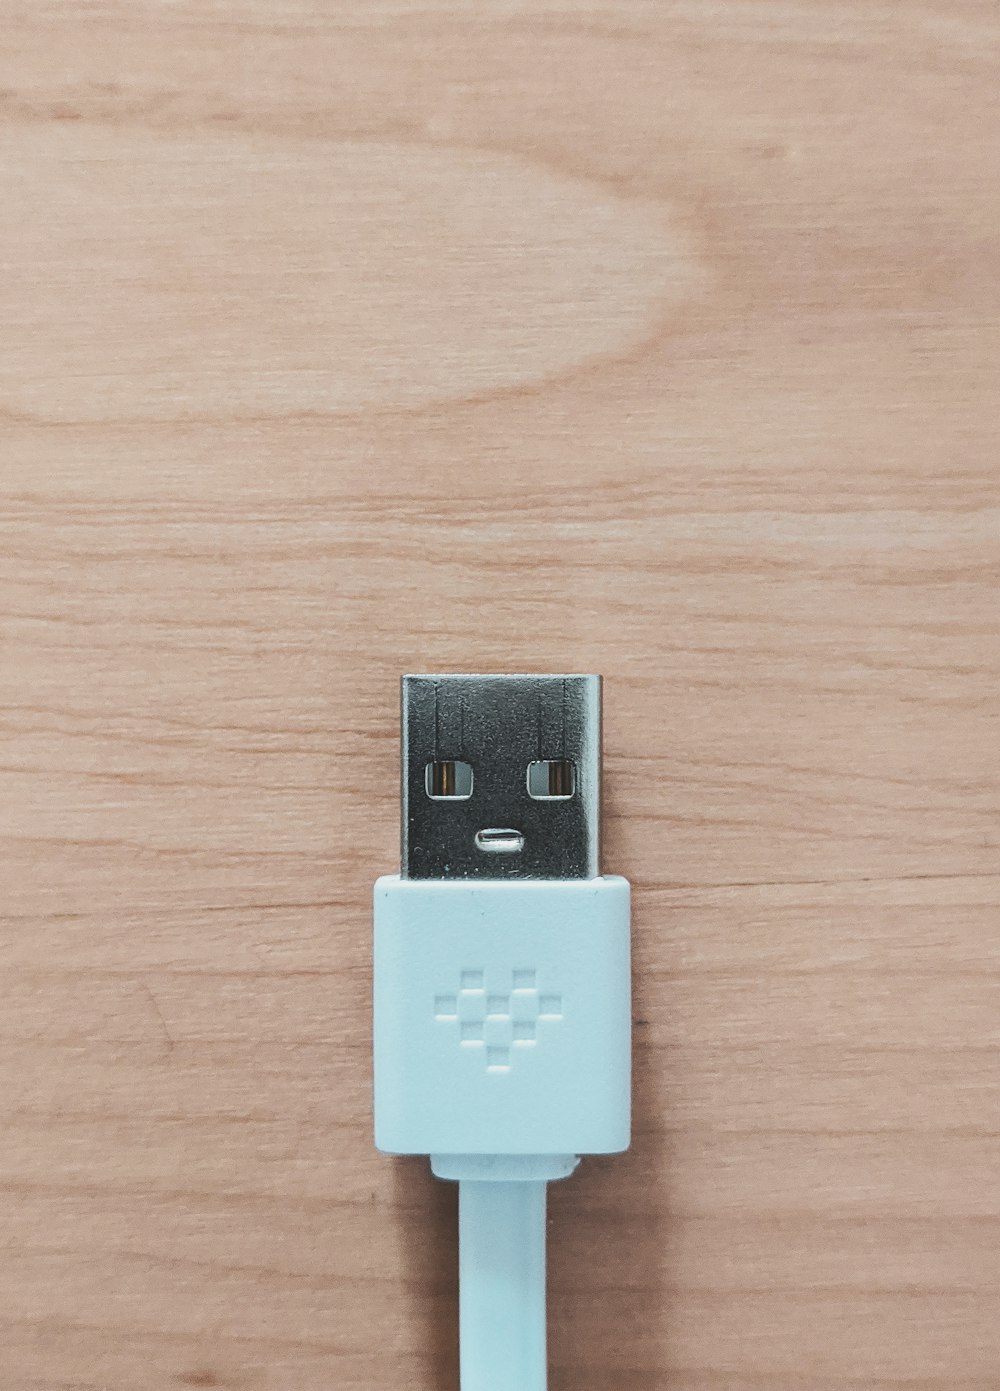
(502, 984)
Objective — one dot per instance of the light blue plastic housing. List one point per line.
(502, 1016)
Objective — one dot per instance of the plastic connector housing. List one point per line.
(502, 1016)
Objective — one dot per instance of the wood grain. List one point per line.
(658, 340)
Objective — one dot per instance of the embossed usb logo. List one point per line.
(498, 1023)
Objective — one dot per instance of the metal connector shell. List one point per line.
(530, 806)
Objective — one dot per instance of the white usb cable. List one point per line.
(502, 984)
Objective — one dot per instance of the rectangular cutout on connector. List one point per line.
(551, 779)
(447, 778)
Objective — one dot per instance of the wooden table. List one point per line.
(341, 340)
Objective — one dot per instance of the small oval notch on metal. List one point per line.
(499, 840)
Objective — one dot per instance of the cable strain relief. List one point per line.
(504, 1168)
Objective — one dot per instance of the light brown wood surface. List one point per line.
(338, 340)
